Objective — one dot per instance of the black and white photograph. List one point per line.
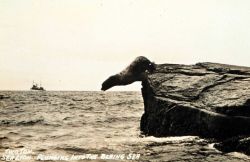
(124, 80)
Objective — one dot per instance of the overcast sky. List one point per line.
(77, 44)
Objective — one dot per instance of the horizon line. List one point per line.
(72, 90)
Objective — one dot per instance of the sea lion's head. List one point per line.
(110, 82)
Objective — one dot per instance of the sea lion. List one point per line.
(136, 71)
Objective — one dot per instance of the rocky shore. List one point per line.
(206, 99)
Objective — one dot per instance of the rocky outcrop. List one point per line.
(206, 99)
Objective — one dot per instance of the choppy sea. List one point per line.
(89, 126)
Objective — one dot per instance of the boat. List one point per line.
(36, 87)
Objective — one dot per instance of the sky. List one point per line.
(77, 44)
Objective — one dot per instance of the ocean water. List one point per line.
(94, 126)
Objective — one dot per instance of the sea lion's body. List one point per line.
(136, 71)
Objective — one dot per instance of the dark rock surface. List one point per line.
(206, 99)
(239, 144)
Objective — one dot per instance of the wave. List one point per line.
(4, 97)
(21, 123)
(72, 149)
(75, 149)
(120, 119)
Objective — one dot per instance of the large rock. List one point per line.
(206, 99)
